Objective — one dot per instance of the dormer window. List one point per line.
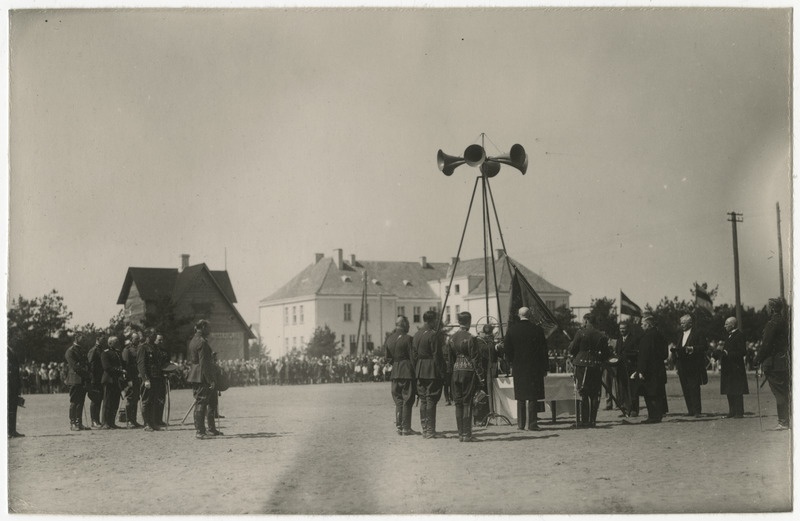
(346, 278)
(406, 282)
(376, 282)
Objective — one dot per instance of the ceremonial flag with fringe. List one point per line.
(628, 307)
(702, 299)
(523, 294)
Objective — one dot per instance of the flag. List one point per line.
(628, 307)
(523, 294)
(702, 299)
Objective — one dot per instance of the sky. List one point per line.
(253, 139)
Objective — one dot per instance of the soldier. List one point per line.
(129, 357)
(590, 351)
(95, 390)
(525, 349)
(161, 399)
(399, 354)
(148, 362)
(78, 379)
(427, 351)
(112, 380)
(463, 356)
(202, 378)
(774, 359)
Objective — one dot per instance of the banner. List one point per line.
(628, 307)
(702, 299)
(523, 294)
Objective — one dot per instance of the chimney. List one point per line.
(318, 257)
(338, 257)
(184, 262)
(500, 253)
(352, 259)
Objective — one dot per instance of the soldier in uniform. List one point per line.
(525, 348)
(163, 361)
(463, 355)
(129, 359)
(590, 351)
(399, 355)
(430, 370)
(148, 362)
(628, 353)
(733, 376)
(774, 359)
(202, 378)
(112, 380)
(95, 390)
(78, 380)
(650, 370)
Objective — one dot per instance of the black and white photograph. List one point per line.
(412, 260)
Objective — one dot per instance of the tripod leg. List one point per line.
(189, 412)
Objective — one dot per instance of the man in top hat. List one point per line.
(774, 359)
(463, 354)
(427, 351)
(203, 380)
(399, 347)
(690, 360)
(733, 377)
(650, 370)
(525, 348)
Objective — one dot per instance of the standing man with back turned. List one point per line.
(399, 355)
(526, 350)
(202, 378)
(427, 351)
(775, 361)
(463, 357)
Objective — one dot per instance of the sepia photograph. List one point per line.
(419, 260)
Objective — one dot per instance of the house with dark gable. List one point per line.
(191, 293)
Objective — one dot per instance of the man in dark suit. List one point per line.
(590, 351)
(78, 379)
(774, 357)
(112, 380)
(733, 377)
(149, 363)
(399, 355)
(650, 369)
(427, 351)
(95, 389)
(628, 353)
(14, 391)
(129, 356)
(463, 357)
(203, 380)
(690, 360)
(525, 348)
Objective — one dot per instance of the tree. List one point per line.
(256, 349)
(323, 343)
(36, 327)
(604, 312)
(164, 319)
(565, 319)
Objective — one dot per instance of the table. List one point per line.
(559, 395)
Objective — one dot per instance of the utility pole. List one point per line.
(734, 217)
(780, 250)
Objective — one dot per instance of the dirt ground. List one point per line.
(332, 449)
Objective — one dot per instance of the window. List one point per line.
(352, 342)
(348, 313)
(294, 315)
(294, 341)
(447, 315)
(433, 308)
(286, 316)
(458, 310)
(551, 305)
(401, 310)
(343, 344)
(458, 289)
(302, 342)
(417, 314)
(301, 313)
(286, 343)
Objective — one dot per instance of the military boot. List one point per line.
(594, 403)
(432, 422)
(521, 414)
(533, 416)
(460, 421)
(398, 419)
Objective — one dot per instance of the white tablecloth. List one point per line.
(559, 390)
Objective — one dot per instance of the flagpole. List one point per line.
(734, 218)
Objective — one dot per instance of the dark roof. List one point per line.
(156, 283)
(407, 280)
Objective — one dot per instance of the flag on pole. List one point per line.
(523, 294)
(702, 299)
(628, 307)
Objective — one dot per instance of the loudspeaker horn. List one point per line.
(516, 158)
(448, 163)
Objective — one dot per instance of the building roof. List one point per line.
(406, 280)
(156, 283)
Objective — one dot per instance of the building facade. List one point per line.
(329, 292)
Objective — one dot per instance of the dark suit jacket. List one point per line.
(95, 365)
(202, 359)
(399, 354)
(526, 350)
(774, 350)
(650, 362)
(733, 376)
(692, 365)
(113, 366)
(78, 368)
